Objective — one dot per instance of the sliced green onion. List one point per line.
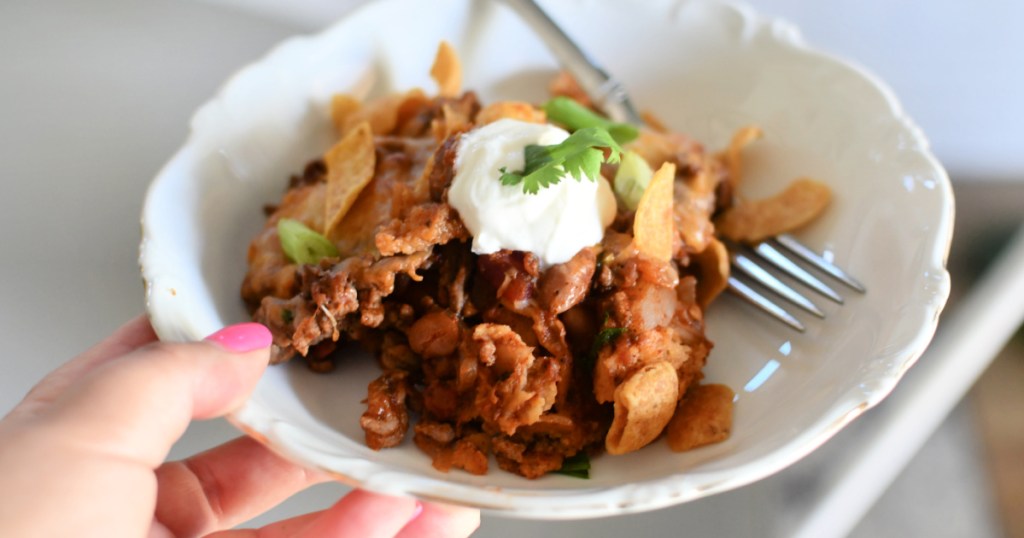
(632, 179)
(577, 466)
(575, 116)
(303, 245)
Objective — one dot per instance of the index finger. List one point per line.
(225, 486)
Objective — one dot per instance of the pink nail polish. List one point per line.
(242, 337)
(417, 511)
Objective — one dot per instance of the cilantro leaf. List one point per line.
(537, 157)
(604, 337)
(580, 155)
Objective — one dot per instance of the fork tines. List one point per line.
(759, 265)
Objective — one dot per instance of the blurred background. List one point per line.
(95, 97)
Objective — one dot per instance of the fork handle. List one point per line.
(607, 92)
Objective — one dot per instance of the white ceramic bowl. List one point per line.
(707, 68)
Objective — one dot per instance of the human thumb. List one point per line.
(139, 404)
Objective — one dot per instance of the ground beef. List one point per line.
(514, 387)
(563, 286)
(494, 355)
(386, 418)
(422, 227)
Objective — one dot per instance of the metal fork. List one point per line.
(758, 264)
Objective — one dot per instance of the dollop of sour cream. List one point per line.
(555, 223)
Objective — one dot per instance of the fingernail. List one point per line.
(417, 511)
(242, 337)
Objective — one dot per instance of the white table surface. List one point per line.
(95, 96)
